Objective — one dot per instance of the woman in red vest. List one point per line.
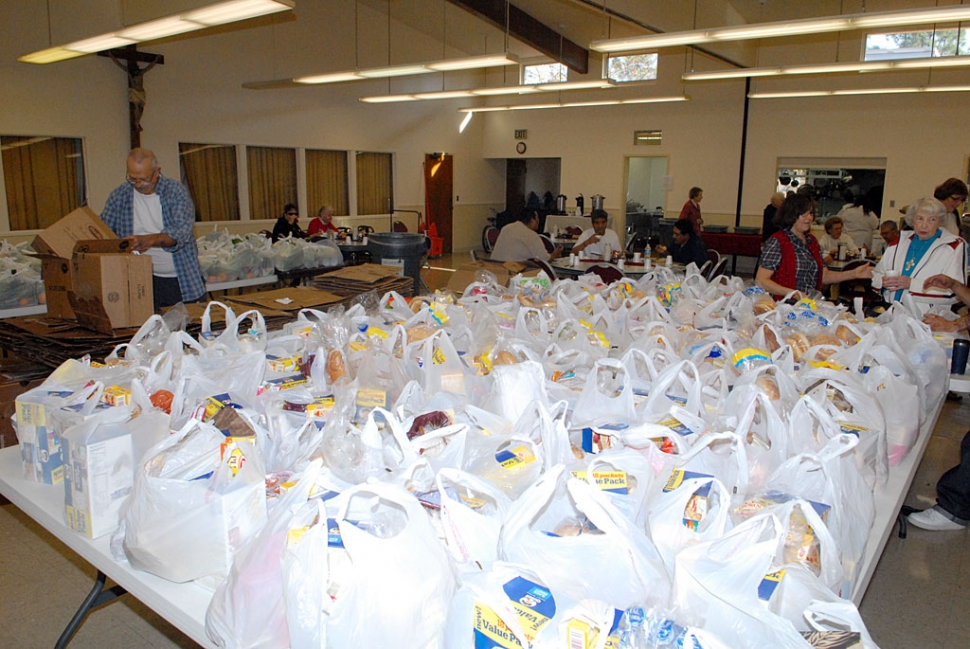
(791, 258)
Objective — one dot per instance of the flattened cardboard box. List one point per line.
(112, 288)
(503, 271)
(55, 245)
(289, 299)
(368, 273)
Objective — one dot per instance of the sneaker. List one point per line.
(935, 519)
(953, 396)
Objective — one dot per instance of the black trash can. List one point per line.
(402, 249)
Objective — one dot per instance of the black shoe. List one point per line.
(953, 396)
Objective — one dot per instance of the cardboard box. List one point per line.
(55, 246)
(112, 288)
(40, 443)
(287, 299)
(59, 239)
(99, 476)
(465, 275)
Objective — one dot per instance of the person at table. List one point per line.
(157, 216)
(952, 509)
(791, 259)
(833, 238)
(288, 224)
(687, 246)
(768, 226)
(888, 236)
(857, 224)
(519, 241)
(926, 251)
(597, 241)
(952, 192)
(322, 225)
(692, 209)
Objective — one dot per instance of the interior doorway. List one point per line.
(532, 183)
(646, 193)
(438, 186)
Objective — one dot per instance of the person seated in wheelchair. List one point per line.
(598, 241)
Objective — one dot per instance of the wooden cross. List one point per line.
(137, 98)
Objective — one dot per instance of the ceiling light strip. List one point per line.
(953, 13)
(448, 65)
(217, 14)
(575, 104)
(831, 68)
(856, 91)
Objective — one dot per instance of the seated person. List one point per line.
(834, 236)
(518, 241)
(287, 226)
(889, 233)
(687, 246)
(322, 225)
(597, 241)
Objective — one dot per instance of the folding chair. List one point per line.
(545, 267)
(609, 273)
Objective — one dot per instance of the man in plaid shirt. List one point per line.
(156, 215)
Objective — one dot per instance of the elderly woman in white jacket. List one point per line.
(926, 251)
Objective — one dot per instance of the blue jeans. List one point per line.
(953, 488)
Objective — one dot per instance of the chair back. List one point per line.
(705, 268)
(399, 227)
(717, 269)
(547, 242)
(544, 266)
(491, 236)
(609, 273)
(713, 256)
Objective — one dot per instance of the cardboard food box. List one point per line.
(503, 271)
(40, 443)
(99, 477)
(112, 287)
(55, 245)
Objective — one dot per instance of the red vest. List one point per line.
(785, 274)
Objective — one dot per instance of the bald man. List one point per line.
(156, 215)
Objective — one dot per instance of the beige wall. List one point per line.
(198, 96)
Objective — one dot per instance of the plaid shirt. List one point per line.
(178, 217)
(806, 268)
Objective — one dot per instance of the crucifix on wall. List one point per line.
(128, 59)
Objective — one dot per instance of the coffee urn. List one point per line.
(561, 204)
(579, 205)
(597, 200)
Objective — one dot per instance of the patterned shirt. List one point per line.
(806, 269)
(178, 217)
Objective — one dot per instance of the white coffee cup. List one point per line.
(620, 263)
(637, 256)
(892, 272)
(670, 261)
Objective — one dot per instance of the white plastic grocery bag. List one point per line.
(472, 513)
(581, 545)
(607, 397)
(402, 578)
(194, 504)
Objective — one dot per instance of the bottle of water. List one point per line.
(632, 632)
(646, 250)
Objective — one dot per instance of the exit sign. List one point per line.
(521, 133)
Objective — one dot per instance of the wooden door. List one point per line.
(438, 181)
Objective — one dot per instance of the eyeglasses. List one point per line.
(141, 182)
(958, 197)
(293, 214)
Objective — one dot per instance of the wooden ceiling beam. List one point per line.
(530, 31)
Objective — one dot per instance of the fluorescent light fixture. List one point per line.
(443, 94)
(953, 13)
(235, 10)
(387, 99)
(575, 104)
(50, 55)
(333, 77)
(465, 121)
(474, 62)
(574, 85)
(394, 71)
(216, 14)
(503, 90)
(856, 91)
(160, 28)
(832, 68)
(98, 43)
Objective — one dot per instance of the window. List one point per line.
(326, 181)
(272, 180)
(917, 44)
(374, 183)
(44, 179)
(543, 73)
(209, 172)
(636, 67)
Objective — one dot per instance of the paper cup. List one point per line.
(892, 272)
(637, 256)
(670, 261)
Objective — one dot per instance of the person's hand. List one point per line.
(939, 323)
(143, 242)
(661, 250)
(556, 254)
(865, 272)
(896, 282)
(940, 281)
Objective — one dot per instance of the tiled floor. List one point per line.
(919, 597)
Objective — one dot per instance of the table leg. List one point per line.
(96, 597)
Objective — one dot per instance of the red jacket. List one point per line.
(785, 273)
(692, 212)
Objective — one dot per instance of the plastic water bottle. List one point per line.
(646, 251)
(632, 632)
